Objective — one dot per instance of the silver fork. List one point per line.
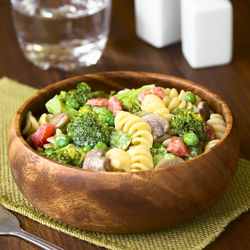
(9, 225)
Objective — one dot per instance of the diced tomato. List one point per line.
(210, 132)
(40, 136)
(98, 102)
(155, 91)
(177, 146)
(114, 105)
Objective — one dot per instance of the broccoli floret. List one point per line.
(119, 139)
(56, 105)
(187, 121)
(105, 115)
(85, 108)
(160, 153)
(87, 129)
(129, 99)
(81, 94)
(70, 154)
(101, 110)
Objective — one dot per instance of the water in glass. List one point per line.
(62, 34)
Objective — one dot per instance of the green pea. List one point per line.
(62, 140)
(157, 145)
(50, 149)
(102, 146)
(190, 97)
(110, 119)
(72, 104)
(191, 139)
(196, 150)
(87, 148)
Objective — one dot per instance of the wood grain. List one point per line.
(125, 51)
(167, 196)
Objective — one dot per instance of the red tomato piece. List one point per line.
(40, 136)
(210, 132)
(177, 146)
(155, 91)
(98, 102)
(114, 105)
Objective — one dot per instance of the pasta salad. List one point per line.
(132, 130)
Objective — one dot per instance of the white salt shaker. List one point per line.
(206, 32)
(158, 21)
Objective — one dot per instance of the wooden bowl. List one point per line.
(123, 202)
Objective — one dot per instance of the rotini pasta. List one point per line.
(210, 144)
(173, 100)
(120, 159)
(171, 93)
(154, 104)
(142, 139)
(31, 125)
(141, 158)
(218, 123)
(136, 127)
(44, 118)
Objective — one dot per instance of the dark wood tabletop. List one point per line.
(125, 51)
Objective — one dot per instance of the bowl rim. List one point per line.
(174, 79)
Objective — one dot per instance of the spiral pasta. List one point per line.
(44, 118)
(218, 123)
(136, 127)
(142, 140)
(141, 158)
(31, 125)
(120, 160)
(154, 104)
(210, 144)
(173, 100)
(171, 93)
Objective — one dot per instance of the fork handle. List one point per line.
(35, 240)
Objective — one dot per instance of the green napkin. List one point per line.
(193, 234)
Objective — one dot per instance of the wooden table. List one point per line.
(125, 51)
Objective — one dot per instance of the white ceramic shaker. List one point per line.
(158, 21)
(207, 29)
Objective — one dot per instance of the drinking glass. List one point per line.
(62, 34)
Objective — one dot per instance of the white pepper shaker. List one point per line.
(207, 28)
(158, 21)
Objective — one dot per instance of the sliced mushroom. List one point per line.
(95, 159)
(203, 110)
(163, 138)
(169, 162)
(158, 123)
(59, 120)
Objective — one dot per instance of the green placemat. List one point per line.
(193, 234)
